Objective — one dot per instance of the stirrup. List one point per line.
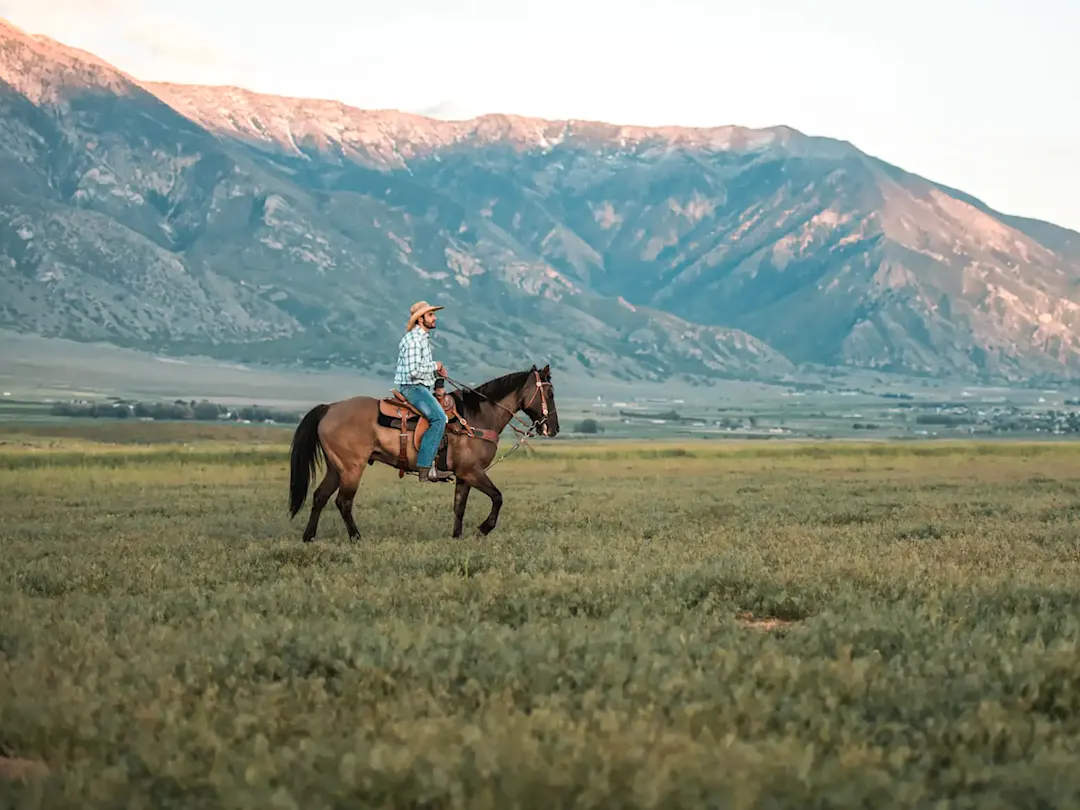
(440, 475)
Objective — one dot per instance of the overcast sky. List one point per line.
(981, 95)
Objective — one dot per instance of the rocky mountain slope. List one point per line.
(253, 227)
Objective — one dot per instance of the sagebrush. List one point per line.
(168, 641)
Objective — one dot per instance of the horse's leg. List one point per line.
(479, 479)
(318, 500)
(350, 482)
(461, 498)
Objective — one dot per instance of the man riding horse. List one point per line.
(352, 434)
(415, 378)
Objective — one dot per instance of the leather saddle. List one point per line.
(403, 414)
(397, 412)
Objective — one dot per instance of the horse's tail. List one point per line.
(306, 448)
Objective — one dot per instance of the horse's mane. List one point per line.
(470, 402)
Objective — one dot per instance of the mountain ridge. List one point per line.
(188, 97)
(276, 229)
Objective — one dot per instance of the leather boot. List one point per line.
(432, 475)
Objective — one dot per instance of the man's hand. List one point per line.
(440, 369)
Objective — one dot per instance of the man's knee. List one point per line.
(438, 417)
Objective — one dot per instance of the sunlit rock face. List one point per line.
(217, 220)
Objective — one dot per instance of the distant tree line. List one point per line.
(669, 416)
(1053, 420)
(177, 410)
(588, 426)
(952, 419)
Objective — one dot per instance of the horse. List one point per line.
(352, 434)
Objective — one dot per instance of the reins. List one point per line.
(526, 434)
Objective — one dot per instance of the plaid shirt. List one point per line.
(414, 365)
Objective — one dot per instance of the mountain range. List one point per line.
(263, 229)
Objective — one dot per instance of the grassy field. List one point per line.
(650, 625)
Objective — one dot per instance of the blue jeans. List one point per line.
(425, 402)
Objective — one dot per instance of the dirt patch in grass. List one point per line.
(14, 769)
(767, 623)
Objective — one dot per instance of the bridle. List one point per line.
(538, 389)
(530, 430)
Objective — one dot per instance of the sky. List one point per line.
(980, 95)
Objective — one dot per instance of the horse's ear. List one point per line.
(545, 372)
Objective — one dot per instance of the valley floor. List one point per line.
(677, 625)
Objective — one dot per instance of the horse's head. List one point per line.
(538, 397)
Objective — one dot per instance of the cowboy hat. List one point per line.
(418, 311)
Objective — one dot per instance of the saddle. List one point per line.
(396, 411)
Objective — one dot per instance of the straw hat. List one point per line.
(418, 311)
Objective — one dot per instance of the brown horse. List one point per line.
(354, 433)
